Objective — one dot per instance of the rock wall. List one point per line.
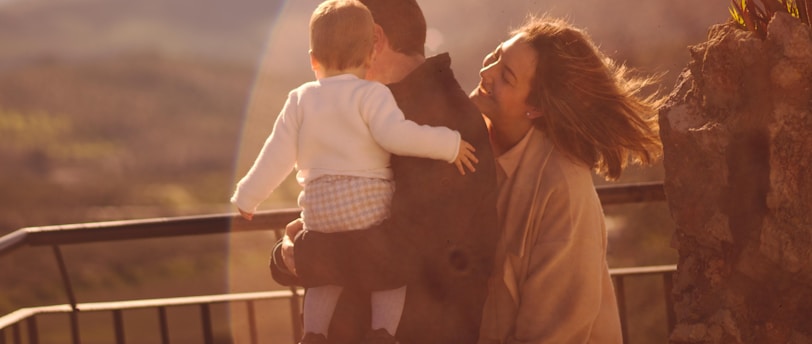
(737, 135)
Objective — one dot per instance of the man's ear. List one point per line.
(314, 64)
(379, 40)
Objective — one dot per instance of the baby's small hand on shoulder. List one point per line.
(466, 157)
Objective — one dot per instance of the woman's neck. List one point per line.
(505, 136)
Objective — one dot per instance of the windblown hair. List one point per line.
(341, 34)
(403, 23)
(591, 107)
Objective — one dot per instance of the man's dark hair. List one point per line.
(403, 22)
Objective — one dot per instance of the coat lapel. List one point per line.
(522, 207)
(527, 197)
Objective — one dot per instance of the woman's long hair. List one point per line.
(590, 107)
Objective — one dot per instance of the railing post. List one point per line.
(620, 294)
(205, 314)
(668, 285)
(118, 324)
(295, 315)
(33, 335)
(164, 325)
(15, 333)
(74, 327)
(74, 317)
(63, 271)
(252, 321)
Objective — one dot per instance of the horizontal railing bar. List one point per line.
(15, 318)
(227, 223)
(158, 228)
(12, 241)
(185, 300)
(144, 229)
(643, 270)
(24, 313)
(631, 193)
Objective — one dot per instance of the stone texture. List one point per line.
(737, 136)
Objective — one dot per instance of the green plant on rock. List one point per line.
(755, 14)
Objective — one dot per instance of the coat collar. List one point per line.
(509, 160)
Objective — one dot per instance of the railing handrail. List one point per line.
(618, 274)
(227, 223)
(643, 270)
(144, 229)
(23, 313)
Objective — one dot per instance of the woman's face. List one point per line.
(505, 80)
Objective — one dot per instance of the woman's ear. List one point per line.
(533, 113)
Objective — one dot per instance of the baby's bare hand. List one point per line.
(246, 215)
(466, 158)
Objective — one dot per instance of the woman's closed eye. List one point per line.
(507, 77)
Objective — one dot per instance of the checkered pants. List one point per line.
(343, 203)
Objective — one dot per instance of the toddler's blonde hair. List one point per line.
(341, 34)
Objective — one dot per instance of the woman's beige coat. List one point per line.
(551, 282)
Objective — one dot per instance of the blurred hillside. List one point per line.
(32, 30)
(78, 139)
(121, 109)
(99, 99)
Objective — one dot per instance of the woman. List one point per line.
(557, 109)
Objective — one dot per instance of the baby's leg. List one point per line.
(387, 307)
(319, 304)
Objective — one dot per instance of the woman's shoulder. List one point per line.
(566, 175)
(559, 166)
(566, 166)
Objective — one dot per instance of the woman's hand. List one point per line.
(466, 157)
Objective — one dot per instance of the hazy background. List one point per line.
(113, 109)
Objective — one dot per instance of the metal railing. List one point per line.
(619, 277)
(23, 322)
(15, 320)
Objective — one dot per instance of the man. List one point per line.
(442, 233)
